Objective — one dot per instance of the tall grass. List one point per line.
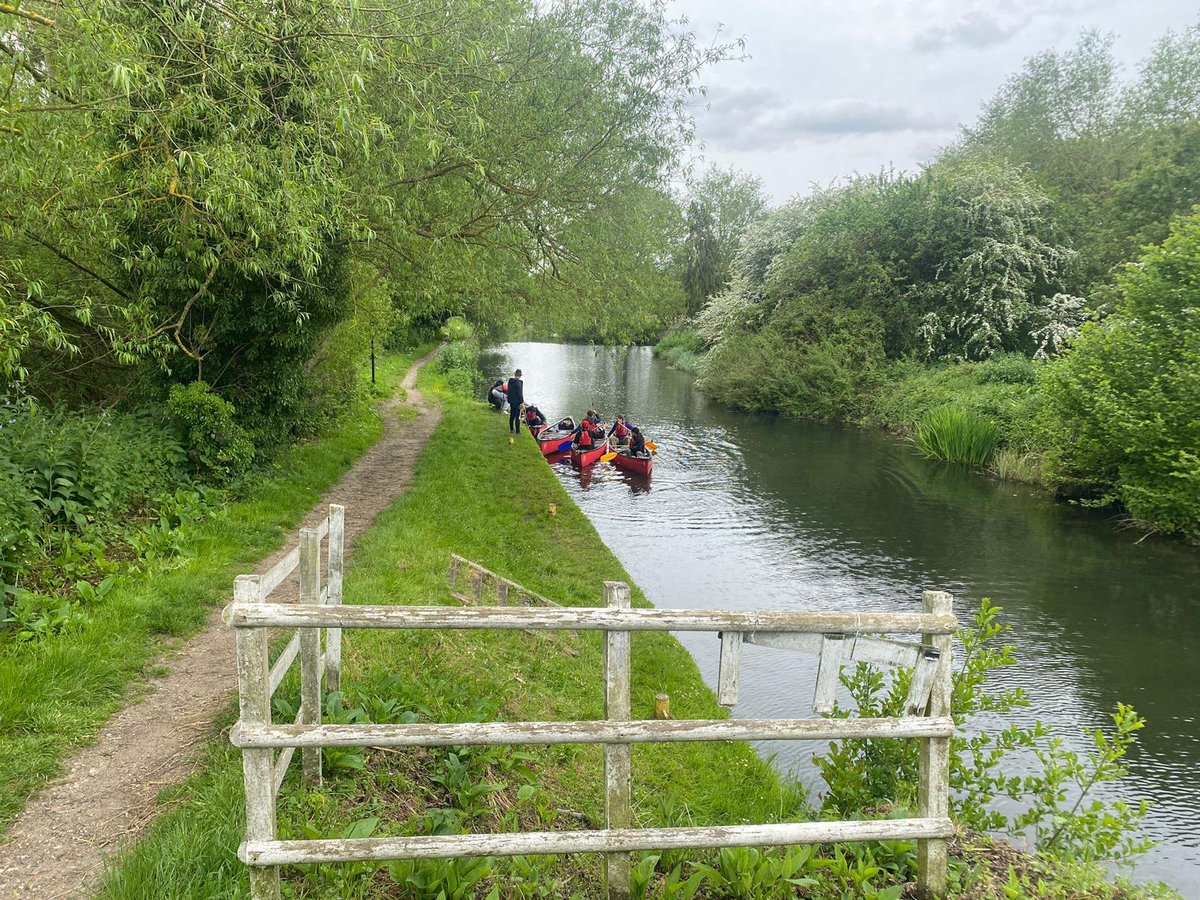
(954, 434)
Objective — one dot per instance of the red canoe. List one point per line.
(551, 442)
(581, 458)
(639, 464)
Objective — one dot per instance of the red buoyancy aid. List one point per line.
(620, 431)
(585, 437)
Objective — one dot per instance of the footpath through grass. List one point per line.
(477, 495)
(56, 693)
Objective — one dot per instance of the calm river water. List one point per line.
(747, 510)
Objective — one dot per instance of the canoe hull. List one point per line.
(581, 458)
(550, 444)
(642, 465)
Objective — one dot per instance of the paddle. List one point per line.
(610, 455)
(651, 446)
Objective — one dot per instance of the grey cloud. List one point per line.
(760, 119)
(976, 29)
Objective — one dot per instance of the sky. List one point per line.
(834, 87)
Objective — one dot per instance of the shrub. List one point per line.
(1126, 398)
(821, 370)
(459, 361)
(217, 447)
(954, 434)
(457, 329)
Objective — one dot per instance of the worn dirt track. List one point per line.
(106, 796)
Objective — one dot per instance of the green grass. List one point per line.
(56, 694)
(457, 504)
(682, 349)
(953, 434)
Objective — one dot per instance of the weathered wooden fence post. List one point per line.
(933, 791)
(254, 703)
(310, 648)
(336, 559)
(618, 776)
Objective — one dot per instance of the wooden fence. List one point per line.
(838, 638)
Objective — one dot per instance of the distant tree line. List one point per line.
(1069, 203)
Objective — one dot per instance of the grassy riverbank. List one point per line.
(478, 495)
(56, 692)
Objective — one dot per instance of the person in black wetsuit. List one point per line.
(516, 399)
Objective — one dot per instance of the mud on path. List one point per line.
(107, 793)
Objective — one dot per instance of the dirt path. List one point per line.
(106, 796)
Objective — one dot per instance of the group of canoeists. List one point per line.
(588, 441)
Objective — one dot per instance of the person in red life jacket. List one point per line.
(533, 416)
(516, 399)
(620, 431)
(591, 428)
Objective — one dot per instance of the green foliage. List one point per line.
(1005, 390)
(621, 284)
(459, 363)
(819, 367)
(683, 349)
(1125, 401)
(1061, 813)
(457, 329)
(217, 446)
(1117, 159)
(953, 434)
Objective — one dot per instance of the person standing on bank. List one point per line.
(516, 399)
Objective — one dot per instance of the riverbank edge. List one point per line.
(456, 505)
(682, 349)
(57, 693)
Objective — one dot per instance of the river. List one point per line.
(748, 510)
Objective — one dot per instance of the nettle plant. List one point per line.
(1061, 814)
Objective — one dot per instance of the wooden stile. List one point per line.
(618, 773)
(730, 673)
(838, 638)
(829, 672)
(933, 788)
(336, 561)
(254, 708)
(310, 649)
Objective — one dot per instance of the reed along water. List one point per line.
(756, 511)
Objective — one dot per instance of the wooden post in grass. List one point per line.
(254, 705)
(336, 559)
(618, 800)
(933, 789)
(310, 648)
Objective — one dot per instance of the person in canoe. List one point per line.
(533, 416)
(590, 432)
(496, 393)
(637, 442)
(619, 433)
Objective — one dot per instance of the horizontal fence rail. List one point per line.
(648, 731)
(282, 615)
(615, 840)
(836, 638)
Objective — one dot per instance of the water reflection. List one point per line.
(758, 510)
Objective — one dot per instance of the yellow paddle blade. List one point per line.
(608, 457)
(651, 446)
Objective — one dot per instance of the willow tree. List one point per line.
(192, 181)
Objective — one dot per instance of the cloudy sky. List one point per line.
(841, 86)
